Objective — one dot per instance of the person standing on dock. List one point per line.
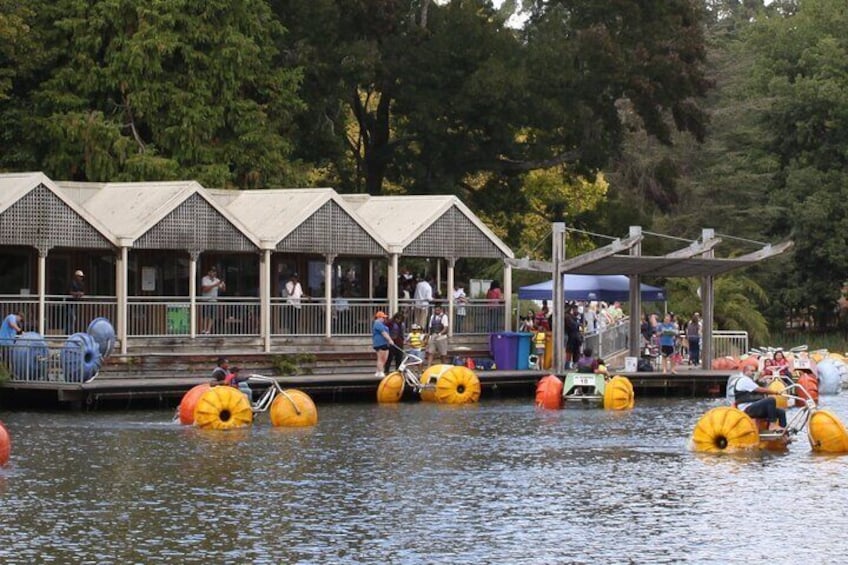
(293, 293)
(380, 340)
(209, 287)
(437, 329)
(668, 333)
(693, 336)
(76, 292)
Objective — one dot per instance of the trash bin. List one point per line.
(524, 344)
(504, 348)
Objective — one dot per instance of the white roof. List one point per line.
(274, 213)
(399, 220)
(131, 209)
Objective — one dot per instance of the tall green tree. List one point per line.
(801, 69)
(168, 89)
(438, 93)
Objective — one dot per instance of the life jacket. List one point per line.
(539, 339)
(415, 341)
(436, 324)
(230, 379)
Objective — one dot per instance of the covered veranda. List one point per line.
(624, 257)
(145, 246)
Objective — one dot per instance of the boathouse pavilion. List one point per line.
(144, 248)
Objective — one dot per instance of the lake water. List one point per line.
(415, 483)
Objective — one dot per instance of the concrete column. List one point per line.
(328, 295)
(192, 292)
(121, 291)
(393, 283)
(265, 291)
(42, 290)
(451, 305)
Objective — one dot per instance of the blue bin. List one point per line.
(522, 356)
(504, 347)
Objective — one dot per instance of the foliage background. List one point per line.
(673, 115)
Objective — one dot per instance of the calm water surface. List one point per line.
(416, 483)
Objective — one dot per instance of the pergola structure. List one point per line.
(624, 257)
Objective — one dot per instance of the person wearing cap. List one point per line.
(293, 293)
(210, 284)
(76, 292)
(437, 329)
(380, 340)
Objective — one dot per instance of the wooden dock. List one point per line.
(163, 379)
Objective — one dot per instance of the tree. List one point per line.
(801, 70)
(163, 90)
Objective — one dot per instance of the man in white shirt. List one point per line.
(459, 300)
(293, 293)
(755, 400)
(423, 297)
(210, 284)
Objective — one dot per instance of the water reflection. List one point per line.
(416, 483)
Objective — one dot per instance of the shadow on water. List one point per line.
(411, 483)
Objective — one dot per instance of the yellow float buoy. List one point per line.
(725, 430)
(458, 385)
(222, 408)
(618, 394)
(292, 409)
(390, 389)
(778, 386)
(432, 374)
(826, 433)
(5, 445)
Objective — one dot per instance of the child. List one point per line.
(415, 341)
(234, 380)
(539, 339)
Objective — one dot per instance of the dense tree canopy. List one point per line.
(674, 115)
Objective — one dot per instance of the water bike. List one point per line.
(445, 384)
(727, 429)
(613, 393)
(225, 407)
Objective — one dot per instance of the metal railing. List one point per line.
(729, 343)
(62, 315)
(609, 340)
(168, 316)
(39, 360)
(476, 316)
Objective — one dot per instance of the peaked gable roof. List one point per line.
(303, 219)
(420, 224)
(55, 219)
(133, 209)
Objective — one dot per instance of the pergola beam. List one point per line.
(595, 255)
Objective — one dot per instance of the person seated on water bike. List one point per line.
(226, 376)
(757, 401)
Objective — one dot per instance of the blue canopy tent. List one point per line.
(607, 288)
